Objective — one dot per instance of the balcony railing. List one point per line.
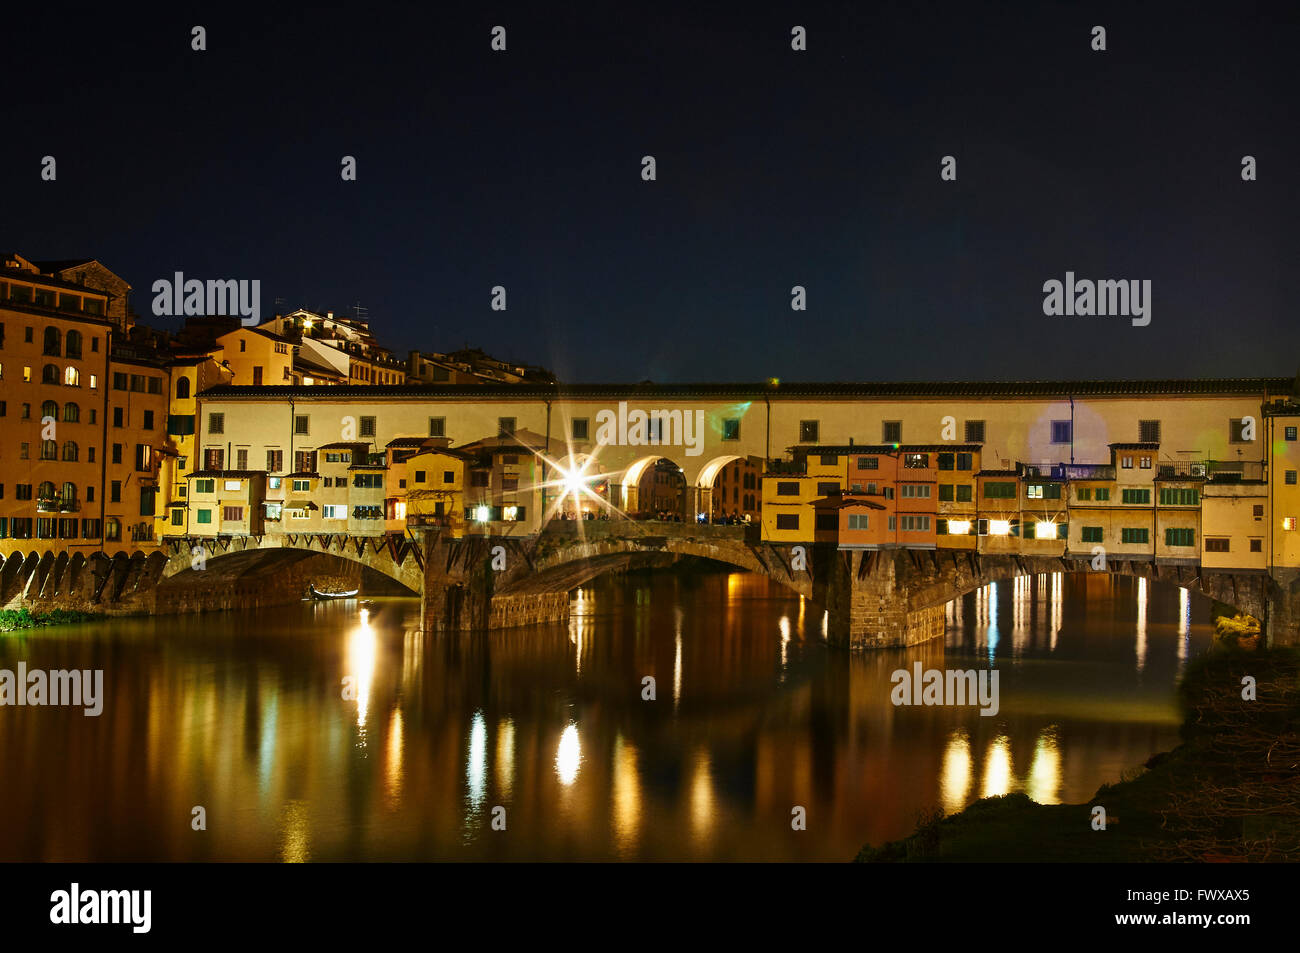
(1213, 471)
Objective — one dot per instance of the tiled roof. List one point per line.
(1010, 390)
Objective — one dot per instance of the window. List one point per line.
(914, 524)
(1062, 431)
(71, 413)
(964, 492)
(241, 458)
(916, 461)
(1043, 491)
(300, 424)
(1290, 477)
(868, 463)
(1090, 534)
(437, 426)
(335, 512)
(154, 385)
(828, 459)
(183, 388)
(52, 342)
(49, 450)
(1136, 496)
(787, 521)
(891, 431)
(1177, 536)
(448, 476)
(1102, 493)
(478, 478)
(581, 428)
(143, 457)
(49, 374)
(301, 486)
(731, 429)
(945, 461)
(915, 491)
(1131, 535)
(49, 409)
(1083, 494)
(1237, 430)
(369, 481)
(148, 420)
(147, 496)
(1290, 433)
(1256, 545)
(809, 431)
(509, 484)
(945, 492)
(505, 426)
(1148, 431)
(1258, 511)
(790, 488)
(274, 461)
(204, 486)
(204, 516)
(826, 521)
(1216, 544)
(70, 450)
(115, 491)
(1172, 496)
(999, 491)
(974, 431)
(965, 461)
(231, 485)
(213, 459)
(367, 426)
(1144, 463)
(858, 521)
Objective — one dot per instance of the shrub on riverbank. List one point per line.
(1230, 791)
(13, 620)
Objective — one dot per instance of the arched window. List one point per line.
(49, 450)
(52, 341)
(69, 493)
(183, 388)
(113, 529)
(50, 409)
(71, 413)
(45, 491)
(72, 377)
(73, 344)
(49, 374)
(70, 450)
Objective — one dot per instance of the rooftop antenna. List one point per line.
(363, 314)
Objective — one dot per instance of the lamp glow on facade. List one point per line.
(999, 527)
(481, 514)
(958, 527)
(1044, 529)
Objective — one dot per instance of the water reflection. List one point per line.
(243, 713)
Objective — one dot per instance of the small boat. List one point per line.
(317, 594)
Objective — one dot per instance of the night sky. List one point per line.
(775, 168)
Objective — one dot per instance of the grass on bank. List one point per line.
(14, 620)
(1229, 792)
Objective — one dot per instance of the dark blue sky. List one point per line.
(775, 168)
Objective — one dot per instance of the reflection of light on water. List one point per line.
(568, 755)
(393, 774)
(802, 606)
(702, 797)
(577, 629)
(785, 642)
(476, 767)
(997, 768)
(1044, 781)
(1142, 625)
(954, 783)
(677, 659)
(295, 833)
(1184, 622)
(266, 746)
(994, 635)
(627, 795)
(363, 649)
(826, 621)
(505, 756)
(1058, 580)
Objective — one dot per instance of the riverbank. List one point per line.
(16, 620)
(1229, 792)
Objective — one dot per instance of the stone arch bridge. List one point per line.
(872, 598)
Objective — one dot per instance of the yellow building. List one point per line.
(257, 357)
(1282, 512)
(435, 488)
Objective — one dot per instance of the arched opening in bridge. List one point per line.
(653, 488)
(729, 490)
(577, 490)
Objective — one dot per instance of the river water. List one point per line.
(546, 730)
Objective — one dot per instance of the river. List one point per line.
(331, 731)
